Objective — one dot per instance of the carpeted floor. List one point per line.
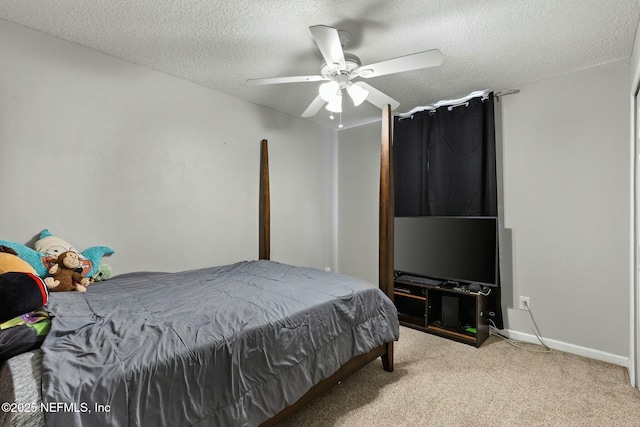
(438, 382)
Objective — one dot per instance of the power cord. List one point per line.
(523, 345)
(488, 290)
(534, 328)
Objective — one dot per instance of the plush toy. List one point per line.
(27, 254)
(11, 262)
(47, 243)
(104, 273)
(65, 272)
(52, 246)
(20, 293)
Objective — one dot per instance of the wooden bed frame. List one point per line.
(385, 267)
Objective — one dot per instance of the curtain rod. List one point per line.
(452, 103)
(449, 103)
(509, 92)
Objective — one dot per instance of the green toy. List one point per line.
(104, 273)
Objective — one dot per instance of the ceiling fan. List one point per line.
(340, 68)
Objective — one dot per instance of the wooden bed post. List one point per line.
(384, 351)
(264, 210)
(385, 255)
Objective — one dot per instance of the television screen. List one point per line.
(461, 249)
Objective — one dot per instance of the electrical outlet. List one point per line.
(327, 269)
(523, 301)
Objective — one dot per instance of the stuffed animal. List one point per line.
(20, 293)
(52, 246)
(104, 273)
(48, 244)
(11, 262)
(65, 272)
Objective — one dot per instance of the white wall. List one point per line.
(104, 152)
(566, 173)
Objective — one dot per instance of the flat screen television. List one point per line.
(458, 249)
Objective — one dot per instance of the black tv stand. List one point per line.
(446, 309)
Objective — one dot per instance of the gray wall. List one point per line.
(358, 198)
(104, 152)
(565, 202)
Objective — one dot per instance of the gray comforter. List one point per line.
(220, 346)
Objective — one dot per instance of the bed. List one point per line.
(242, 344)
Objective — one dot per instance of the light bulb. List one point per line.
(357, 93)
(329, 91)
(335, 105)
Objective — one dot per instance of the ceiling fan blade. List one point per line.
(314, 107)
(378, 98)
(329, 44)
(277, 80)
(426, 59)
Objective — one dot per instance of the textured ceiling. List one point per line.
(489, 44)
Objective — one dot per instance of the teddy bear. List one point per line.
(65, 272)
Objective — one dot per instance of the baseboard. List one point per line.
(569, 348)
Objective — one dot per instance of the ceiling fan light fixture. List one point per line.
(357, 93)
(339, 68)
(335, 105)
(329, 91)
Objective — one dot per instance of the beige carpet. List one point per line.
(438, 382)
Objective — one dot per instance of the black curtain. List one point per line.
(445, 161)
